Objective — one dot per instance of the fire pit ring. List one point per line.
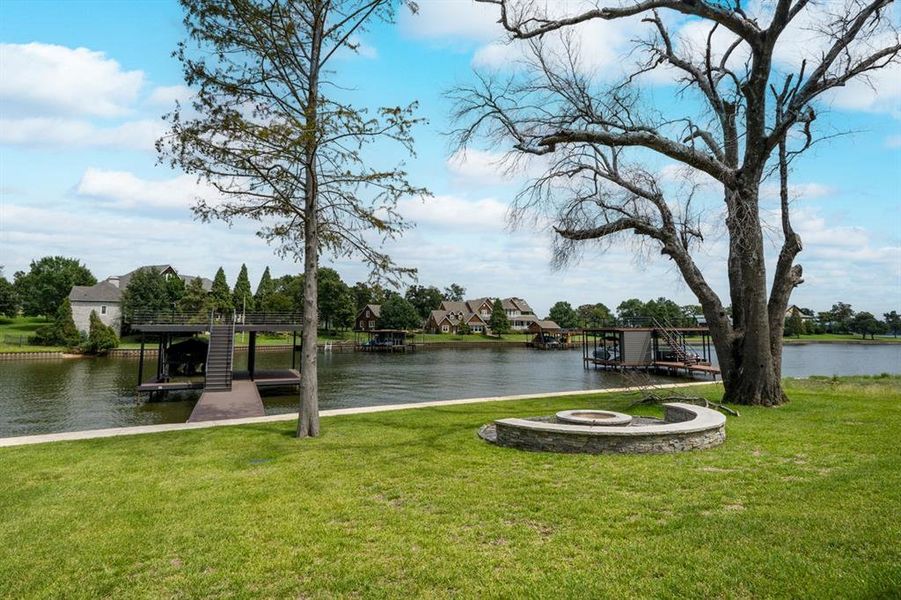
(593, 417)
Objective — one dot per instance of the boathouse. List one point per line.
(547, 335)
(187, 361)
(385, 340)
(651, 346)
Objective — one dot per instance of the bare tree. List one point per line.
(742, 115)
(272, 132)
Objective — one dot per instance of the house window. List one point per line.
(445, 328)
(372, 324)
(103, 309)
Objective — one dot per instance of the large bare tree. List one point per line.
(272, 131)
(741, 114)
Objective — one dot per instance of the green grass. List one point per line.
(841, 338)
(801, 501)
(16, 331)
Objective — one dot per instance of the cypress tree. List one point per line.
(262, 300)
(220, 294)
(195, 300)
(242, 296)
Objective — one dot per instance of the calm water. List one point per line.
(74, 394)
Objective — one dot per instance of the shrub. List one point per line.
(62, 332)
(102, 338)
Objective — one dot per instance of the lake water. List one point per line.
(43, 396)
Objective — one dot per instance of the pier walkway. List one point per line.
(241, 401)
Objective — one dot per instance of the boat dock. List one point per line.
(652, 346)
(208, 365)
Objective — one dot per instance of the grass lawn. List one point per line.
(801, 501)
(840, 338)
(15, 333)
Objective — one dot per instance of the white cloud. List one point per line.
(798, 191)
(62, 132)
(444, 19)
(454, 213)
(484, 167)
(47, 78)
(124, 190)
(165, 96)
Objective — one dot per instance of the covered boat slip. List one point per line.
(197, 364)
(384, 340)
(676, 350)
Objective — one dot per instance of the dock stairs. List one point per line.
(220, 356)
(683, 352)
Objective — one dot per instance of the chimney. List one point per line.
(114, 280)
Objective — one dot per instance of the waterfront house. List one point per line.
(368, 318)
(477, 314)
(105, 297)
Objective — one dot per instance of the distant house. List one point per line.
(106, 297)
(477, 314)
(794, 309)
(368, 318)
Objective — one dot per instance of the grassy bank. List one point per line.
(801, 501)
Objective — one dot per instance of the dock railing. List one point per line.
(172, 317)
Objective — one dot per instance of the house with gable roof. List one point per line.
(477, 314)
(105, 297)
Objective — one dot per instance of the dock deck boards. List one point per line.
(242, 401)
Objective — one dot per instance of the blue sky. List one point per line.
(84, 84)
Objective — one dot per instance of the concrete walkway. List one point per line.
(142, 429)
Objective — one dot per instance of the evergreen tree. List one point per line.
(463, 328)
(147, 292)
(101, 338)
(62, 332)
(498, 323)
(196, 300)
(220, 294)
(262, 299)
(242, 296)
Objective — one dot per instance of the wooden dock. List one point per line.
(672, 367)
(243, 400)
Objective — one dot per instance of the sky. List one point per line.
(84, 85)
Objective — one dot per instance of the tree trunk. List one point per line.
(308, 423)
(753, 378)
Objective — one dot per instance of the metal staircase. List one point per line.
(220, 354)
(683, 351)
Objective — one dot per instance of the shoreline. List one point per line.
(91, 434)
(344, 346)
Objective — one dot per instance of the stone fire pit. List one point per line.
(684, 427)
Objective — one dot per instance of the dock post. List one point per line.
(252, 354)
(141, 363)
